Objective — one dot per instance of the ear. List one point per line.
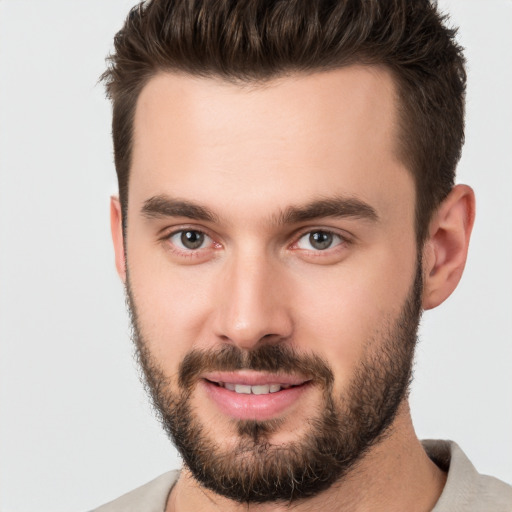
(445, 251)
(116, 227)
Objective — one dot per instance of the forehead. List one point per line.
(280, 141)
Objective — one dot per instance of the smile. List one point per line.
(255, 390)
(253, 395)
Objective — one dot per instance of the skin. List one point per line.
(247, 153)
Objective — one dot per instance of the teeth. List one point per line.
(241, 388)
(263, 389)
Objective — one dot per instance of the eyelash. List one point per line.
(344, 241)
(184, 252)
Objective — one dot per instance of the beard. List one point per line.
(335, 439)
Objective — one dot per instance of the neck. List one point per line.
(396, 474)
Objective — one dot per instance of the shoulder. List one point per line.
(151, 497)
(466, 489)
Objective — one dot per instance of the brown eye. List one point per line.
(319, 240)
(192, 239)
(188, 239)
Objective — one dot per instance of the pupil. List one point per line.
(192, 239)
(320, 240)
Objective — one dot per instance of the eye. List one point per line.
(319, 240)
(190, 239)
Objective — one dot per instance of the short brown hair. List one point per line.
(257, 40)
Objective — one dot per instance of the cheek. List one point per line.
(338, 329)
(172, 306)
(352, 308)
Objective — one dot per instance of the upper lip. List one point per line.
(253, 378)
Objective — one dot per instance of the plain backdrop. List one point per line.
(76, 429)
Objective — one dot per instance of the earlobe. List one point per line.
(116, 227)
(445, 250)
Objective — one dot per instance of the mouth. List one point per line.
(250, 395)
(246, 389)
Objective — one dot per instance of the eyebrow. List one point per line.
(337, 207)
(162, 206)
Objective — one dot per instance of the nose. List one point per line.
(251, 303)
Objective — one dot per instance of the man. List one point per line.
(286, 211)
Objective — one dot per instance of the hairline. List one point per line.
(402, 117)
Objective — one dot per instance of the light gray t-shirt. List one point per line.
(466, 490)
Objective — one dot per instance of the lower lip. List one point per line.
(253, 407)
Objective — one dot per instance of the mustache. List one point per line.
(266, 358)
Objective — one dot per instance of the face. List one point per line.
(272, 274)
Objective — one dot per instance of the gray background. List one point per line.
(75, 427)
